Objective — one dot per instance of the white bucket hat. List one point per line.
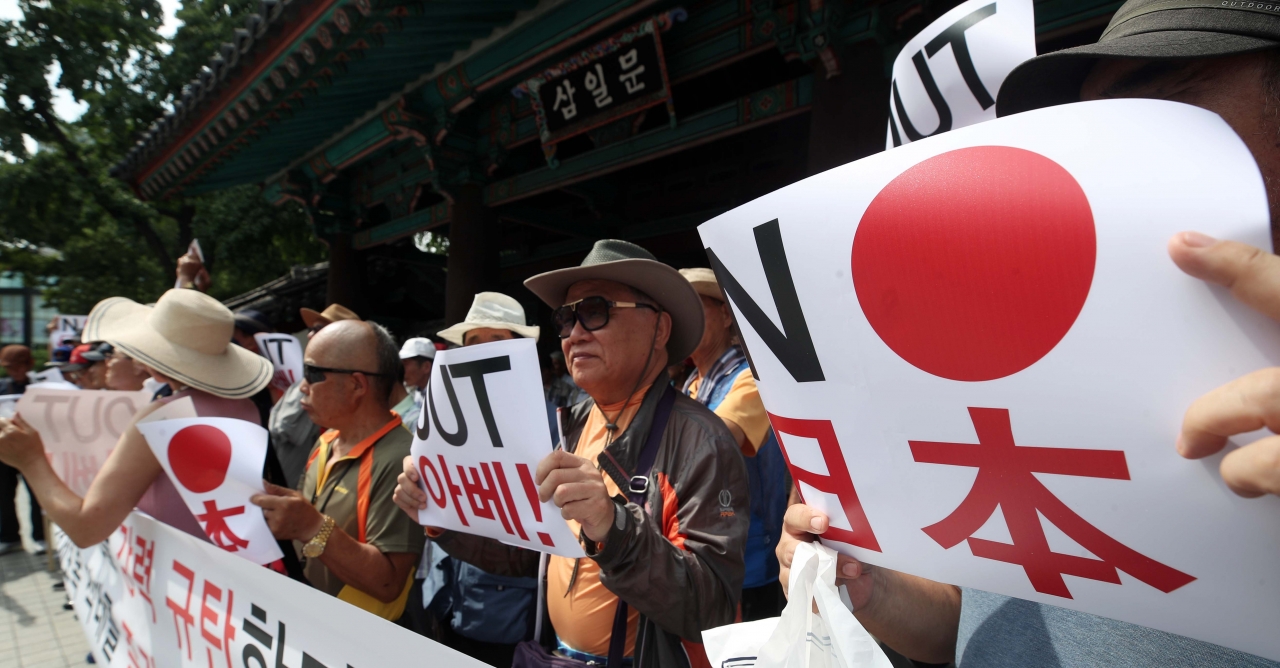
(186, 336)
(491, 310)
(418, 347)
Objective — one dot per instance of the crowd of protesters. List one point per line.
(668, 470)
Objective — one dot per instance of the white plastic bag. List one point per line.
(831, 638)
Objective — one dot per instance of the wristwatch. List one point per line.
(315, 546)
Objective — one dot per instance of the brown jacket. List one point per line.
(680, 564)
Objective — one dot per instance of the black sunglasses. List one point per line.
(315, 374)
(592, 312)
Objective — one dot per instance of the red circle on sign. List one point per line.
(973, 264)
(200, 455)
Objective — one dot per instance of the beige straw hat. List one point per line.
(704, 282)
(186, 336)
(491, 310)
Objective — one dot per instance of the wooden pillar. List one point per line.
(850, 111)
(473, 252)
(346, 274)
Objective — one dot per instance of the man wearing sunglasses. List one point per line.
(650, 480)
(292, 431)
(358, 547)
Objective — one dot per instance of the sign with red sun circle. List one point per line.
(973, 264)
(199, 456)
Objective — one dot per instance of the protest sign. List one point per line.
(51, 378)
(216, 465)
(79, 428)
(285, 354)
(949, 75)
(477, 444)
(65, 327)
(156, 597)
(976, 354)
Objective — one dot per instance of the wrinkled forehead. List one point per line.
(611, 290)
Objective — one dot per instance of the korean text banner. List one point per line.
(477, 444)
(976, 354)
(949, 75)
(154, 597)
(79, 428)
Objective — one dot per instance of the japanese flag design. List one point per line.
(216, 464)
(976, 354)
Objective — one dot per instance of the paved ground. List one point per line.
(35, 632)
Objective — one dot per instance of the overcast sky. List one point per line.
(67, 108)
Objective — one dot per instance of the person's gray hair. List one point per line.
(388, 354)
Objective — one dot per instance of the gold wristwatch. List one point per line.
(315, 546)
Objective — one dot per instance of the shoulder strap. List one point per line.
(636, 492)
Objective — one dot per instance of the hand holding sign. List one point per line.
(576, 486)
(289, 514)
(216, 464)
(1245, 404)
(477, 446)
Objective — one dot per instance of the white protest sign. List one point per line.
(936, 88)
(976, 354)
(285, 354)
(51, 378)
(9, 405)
(66, 327)
(477, 444)
(154, 596)
(216, 464)
(79, 428)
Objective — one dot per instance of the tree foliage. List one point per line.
(64, 222)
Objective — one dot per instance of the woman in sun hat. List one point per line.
(184, 340)
(492, 315)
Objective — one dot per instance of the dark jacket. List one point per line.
(680, 564)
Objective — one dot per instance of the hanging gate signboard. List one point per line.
(609, 81)
(976, 355)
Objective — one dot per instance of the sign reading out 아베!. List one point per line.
(79, 428)
(981, 364)
(949, 75)
(477, 444)
(216, 464)
(285, 353)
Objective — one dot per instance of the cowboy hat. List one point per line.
(491, 310)
(626, 263)
(331, 314)
(1154, 29)
(185, 336)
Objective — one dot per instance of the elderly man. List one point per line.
(357, 545)
(1219, 56)
(650, 480)
(722, 381)
(17, 363)
(292, 431)
(416, 357)
(124, 372)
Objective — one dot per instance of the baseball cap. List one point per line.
(1149, 29)
(77, 361)
(418, 347)
(252, 321)
(60, 356)
(97, 352)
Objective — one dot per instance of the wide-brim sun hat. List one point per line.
(1149, 29)
(626, 263)
(331, 314)
(186, 336)
(491, 310)
(704, 282)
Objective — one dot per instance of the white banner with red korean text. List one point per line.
(976, 355)
(154, 597)
(216, 465)
(79, 428)
(948, 76)
(477, 444)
